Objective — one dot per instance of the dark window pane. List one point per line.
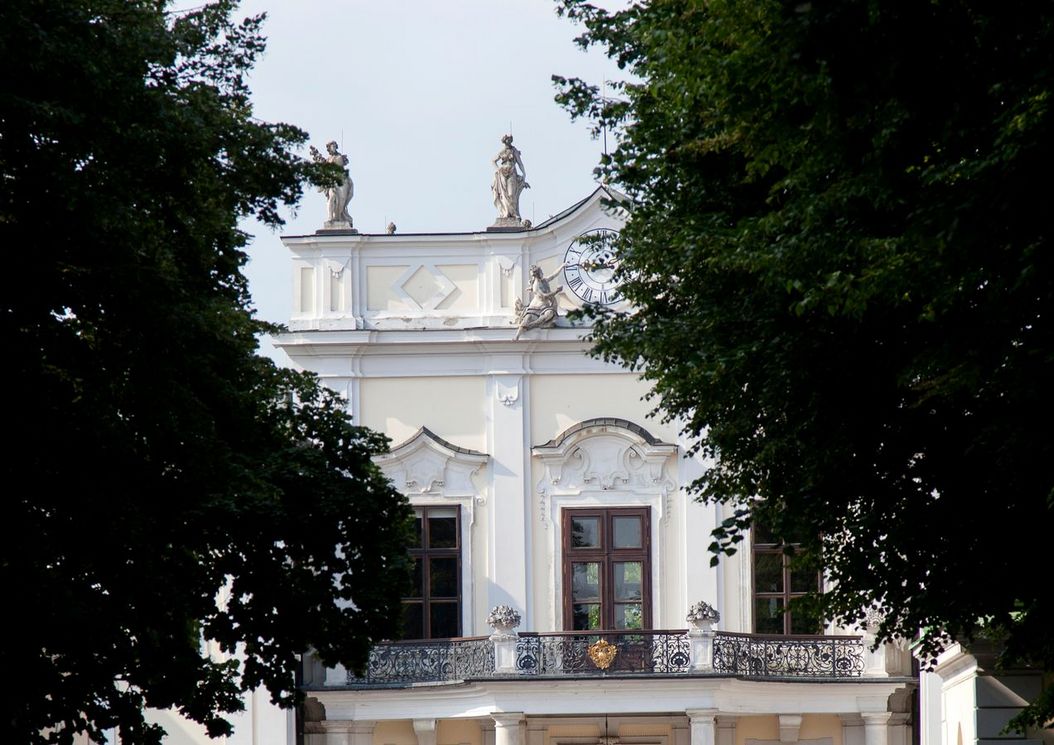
(768, 572)
(804, 581)
(585, 582)
(417, 590)
(762, 534)
(629, 616)
(417, 533)
(768, 615)
(413, 621)
(627, 532)
(627, 576)
(585, 532)
(443, 578)
(586, 617)
(444, 620)
(442, 528)
(804, 622)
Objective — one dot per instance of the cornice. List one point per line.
(644, 696)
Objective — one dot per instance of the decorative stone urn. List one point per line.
(701, 617)
(503, 619)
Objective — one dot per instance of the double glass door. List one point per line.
(607, 572)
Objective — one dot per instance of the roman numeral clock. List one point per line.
(589, 267)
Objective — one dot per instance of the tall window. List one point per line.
(607, 569)
(433, 611)
(776, 584)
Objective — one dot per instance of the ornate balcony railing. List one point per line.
(428, 661)
(606, 653)
(788, 656)
(612, 653)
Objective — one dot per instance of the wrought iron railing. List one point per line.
(788, 656)
(613, 653)
(603, 653)
(427, 661)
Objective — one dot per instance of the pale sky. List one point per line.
(420, 93)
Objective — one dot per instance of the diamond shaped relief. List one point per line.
(424, 286)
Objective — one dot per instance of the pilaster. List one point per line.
(876, 727)
(425, 731)
(508, 728)
(508, 505)
(703, 726)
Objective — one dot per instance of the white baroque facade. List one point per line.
(542, 485)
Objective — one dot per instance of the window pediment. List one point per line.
(605, 454)
(426, 464)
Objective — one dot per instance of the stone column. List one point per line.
(876, 727)
(508, 727)
(425, 729)
(703, 726)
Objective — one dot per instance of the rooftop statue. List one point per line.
(337, 197)
(510, 178)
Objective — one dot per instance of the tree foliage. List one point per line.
(181, 518)
(840, 261)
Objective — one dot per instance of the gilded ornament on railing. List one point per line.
(602, 653)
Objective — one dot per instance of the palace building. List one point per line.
(563, 593)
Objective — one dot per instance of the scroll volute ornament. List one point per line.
(602, 653)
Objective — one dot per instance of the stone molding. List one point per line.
(426, 464)
(604, 455)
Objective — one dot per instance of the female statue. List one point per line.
(508, 182)
(541, 308)
(337, 197)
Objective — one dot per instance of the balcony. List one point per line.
(615, 654)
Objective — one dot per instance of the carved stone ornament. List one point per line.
(337, 197)
(503, 619)
(602, 653)
(702, 615)
(426, 464)
(872, 620)
(605, 454)
(539, 308)
(510, 178)
(507, 393)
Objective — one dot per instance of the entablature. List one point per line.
(433, 281)
(599, 696)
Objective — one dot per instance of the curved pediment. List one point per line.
(428, 464)
(605, 454)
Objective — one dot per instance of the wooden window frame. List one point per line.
(606, 555)
(424, 554)
(770, 548)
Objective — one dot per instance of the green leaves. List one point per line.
(837, 261)
(170, 491)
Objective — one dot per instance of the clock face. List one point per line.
(590, 263)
